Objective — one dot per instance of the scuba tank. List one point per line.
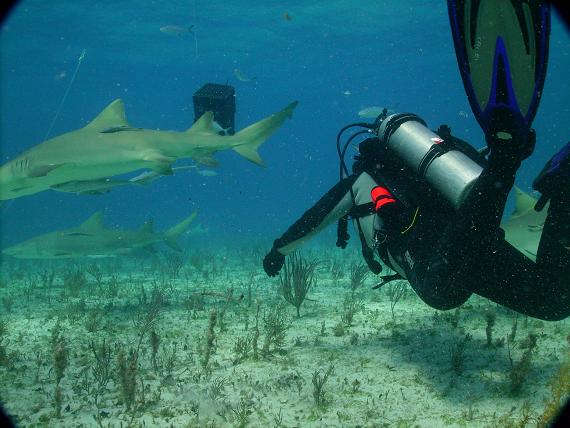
(447, 170)
(418, 166)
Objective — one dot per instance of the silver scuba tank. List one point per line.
(447, 170)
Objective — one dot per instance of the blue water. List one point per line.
(333, 57)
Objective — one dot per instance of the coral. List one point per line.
(127, 369)
(297, 279)
(154, 343)
(275, 325)
(210, 337)
(319, 380)
(3, 334)
(242, 347)
(358, 274)
(560, 389)
(59, 352)
(255, 338)
(74, 281)
(242, 412)
(490, 318)
(520, 370)
(339, 329)
(60, 362)
(396, 291)
(457, 352)
(350, 306)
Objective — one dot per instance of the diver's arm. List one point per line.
(336, 203)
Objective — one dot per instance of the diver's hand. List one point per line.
(273, 262)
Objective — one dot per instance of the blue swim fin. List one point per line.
(502, 53)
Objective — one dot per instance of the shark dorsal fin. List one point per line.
(204, 124)
(112, 117)
(146, 227)
(93, 222)
(523, 202)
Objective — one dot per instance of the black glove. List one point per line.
(273, 262)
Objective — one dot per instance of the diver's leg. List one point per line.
(540, 289)
(554, 184)
(444, 280)
(509, 278)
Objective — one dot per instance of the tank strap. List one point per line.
(397, 121)
(387, 279)
(435, 151)
(362, 210)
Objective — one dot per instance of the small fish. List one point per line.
(347, 93)
(242, 77)
(463, 113)
(60, 76)
(287, 17)
(177, 30)
(372, 112)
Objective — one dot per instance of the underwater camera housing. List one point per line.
(446, 169)
(219, 99)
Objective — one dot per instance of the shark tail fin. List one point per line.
(250, 138)
(172, 234)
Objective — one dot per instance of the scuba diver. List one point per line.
(430, 205)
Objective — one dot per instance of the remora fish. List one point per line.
(102, 186)
(93, 153)
(92, 239)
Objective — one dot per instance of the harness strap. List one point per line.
(362, 210)
(386, 279)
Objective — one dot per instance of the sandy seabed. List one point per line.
(207, 340)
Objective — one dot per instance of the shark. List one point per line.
(92, 239)
(109, 146)
(523, 228)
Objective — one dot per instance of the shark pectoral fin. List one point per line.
(43, 170)
(251, 154)
(206, 159)
(160, 163)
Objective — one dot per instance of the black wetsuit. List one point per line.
(448, 254)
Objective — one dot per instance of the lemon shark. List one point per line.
(110, 146)
(523, 229)
(93, 239)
